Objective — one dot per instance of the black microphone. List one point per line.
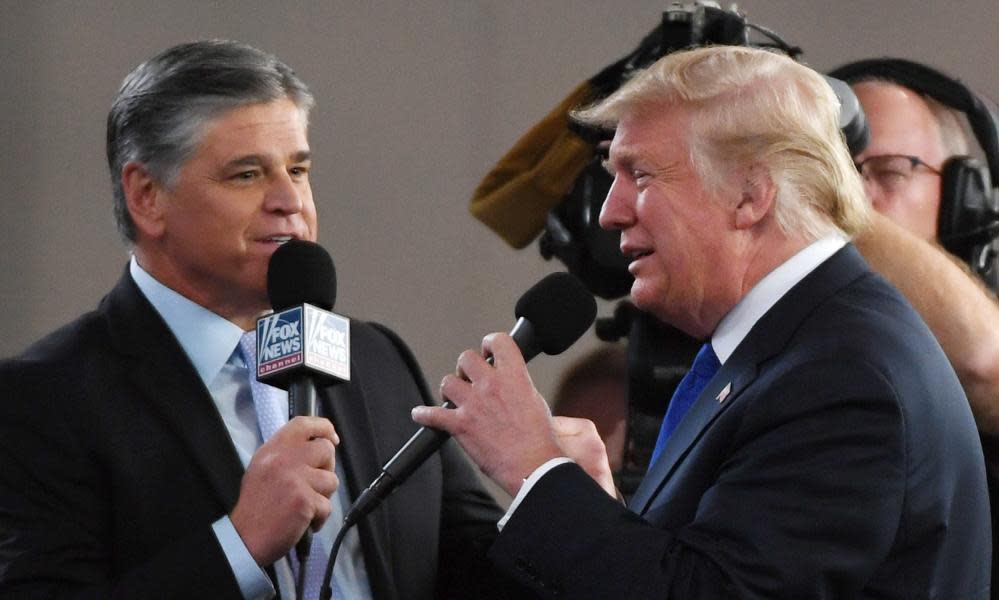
(302, 345)
(551, 316)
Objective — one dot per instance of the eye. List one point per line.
(299, 171)
(249, 175)
(890, 179)
(640, 177)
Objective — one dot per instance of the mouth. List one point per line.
(632, 253)
(635, 256)
(278, 239)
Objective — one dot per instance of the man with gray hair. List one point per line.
(139, 458)
(821, 446)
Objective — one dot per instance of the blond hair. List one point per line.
(754, 107)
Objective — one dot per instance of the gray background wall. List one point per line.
(416, 100)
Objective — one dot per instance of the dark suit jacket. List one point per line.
(114, 462)
(842, 462)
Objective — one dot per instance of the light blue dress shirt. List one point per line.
(211, 343)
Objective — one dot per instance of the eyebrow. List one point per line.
(625, 156)
(256, 160)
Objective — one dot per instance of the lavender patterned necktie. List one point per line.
(272, 412)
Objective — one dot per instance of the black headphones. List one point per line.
(968, 223)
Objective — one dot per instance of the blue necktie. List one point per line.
(704, 368)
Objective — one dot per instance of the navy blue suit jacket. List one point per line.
(834, 455)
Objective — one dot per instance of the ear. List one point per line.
(144, 199)
(759, 195)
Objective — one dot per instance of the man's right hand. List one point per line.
(286, 488)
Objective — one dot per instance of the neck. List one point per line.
(242, 312)
(768, 257)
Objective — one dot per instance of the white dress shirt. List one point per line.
(733, 327)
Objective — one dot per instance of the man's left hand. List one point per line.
(581, 442)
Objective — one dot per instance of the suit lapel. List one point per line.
(165, 379)
(347, 406)
(721, 392)
(766, 339)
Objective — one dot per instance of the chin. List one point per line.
(658, 305)
(647, 296)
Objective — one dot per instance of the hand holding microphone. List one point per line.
(551, 316)
(500, 419)
(286, 488)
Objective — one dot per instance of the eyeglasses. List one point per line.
(891, 172)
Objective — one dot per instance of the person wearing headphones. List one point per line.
(916, 173)
(916, 143)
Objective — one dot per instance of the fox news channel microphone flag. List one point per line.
(303, 336)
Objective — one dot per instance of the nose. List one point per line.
(618, 210)
(285, 195)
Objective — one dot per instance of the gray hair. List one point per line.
(753, 106)
(158, 115)
(953, 131)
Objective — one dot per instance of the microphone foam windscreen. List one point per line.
(560, 309)
(301, 272)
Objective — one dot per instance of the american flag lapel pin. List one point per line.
(724, 393)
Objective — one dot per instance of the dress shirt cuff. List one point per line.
(528, 484)
(253, 582)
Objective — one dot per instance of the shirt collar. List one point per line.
(206, 338)
(735, 326)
